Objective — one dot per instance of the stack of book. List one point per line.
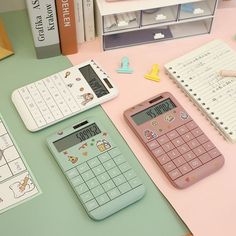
(59, 25)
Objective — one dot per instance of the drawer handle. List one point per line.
(158, 36)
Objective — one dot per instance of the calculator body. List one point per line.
(62, 95)
(177, 144)
(94, 166)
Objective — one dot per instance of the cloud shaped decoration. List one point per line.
(198, 11)
(159, 36)
(160, 17)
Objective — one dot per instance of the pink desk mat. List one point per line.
(209, 206)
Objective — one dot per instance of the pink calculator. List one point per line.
(178, 145)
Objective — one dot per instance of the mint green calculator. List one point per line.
(96, 169)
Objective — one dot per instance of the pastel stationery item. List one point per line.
(177, 144)
(153, 75)
(62, 95)
(125, 66)
(187, 7)
(228, 73)
(197, 74)
(95, 168)
(17, 183)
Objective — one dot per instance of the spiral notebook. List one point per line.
(197, 74)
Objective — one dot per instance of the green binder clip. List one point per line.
(153, 75)
(125, 66)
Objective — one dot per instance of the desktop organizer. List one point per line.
(133, 22)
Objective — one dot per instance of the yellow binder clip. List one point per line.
(153, 75)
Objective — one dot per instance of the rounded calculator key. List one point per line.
(114, 152)
(195, 163)
(124, 167)
(82, 168)
(130, 174)
(135, 182)
(109, 164)
(208, 145)
(185, 168)
(189, 156)
(191, 125)
(196, 132)
(125, 187)
(114, 172)
(153, 144)
(202, 138)
(2, 129)
(113, 193)
(169, 166)
(183, 149)
(92, 183)
(93, 162)
(102, 199)
(16, 166)
(85, 197)
(158, 152)
(173, 134)
(193, 143)
(163, 139)
(82, 188)
(11, 154)
(178, 141)
(119, 159)
(199, 150)
(4, 172)
(173, 154)
(174, 174)
(87, 175)
(182, 129)
(108, 185)
(187, 137)
(98, 170)
(214, 153)
(103, 178)
(72, 173)
(91, 205)
(77, 181)
(205, 158)
(97, 191)
(168, 146)
(163, 159)
(5, 142)
(179, 161)
(104, 157)
(118, 180)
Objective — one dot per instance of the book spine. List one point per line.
(79, 18)
(43, 21)
(89, 23)
(67, 26)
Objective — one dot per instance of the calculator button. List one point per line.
(103, 178)
(85, 197)
(179, 161)
(119, 159)
(214, 153)
(174, 174)
(97, 191)
(153, 144)
(4, 172)
(5, 142)
(189, 156)
(185, 168)
(114, 172)
(208, 146)
(195, 163)
(82, 188)
(135, 182)
(187, 137)
(168, 146)
(114, 152)
(16, 166)
(196, 132)
(104, 157)
(202, 139)
(158, 152)
(72, 173)
(125, 187)
(130, 174)
(118, 180)
(173, 134)
(91, 205)
(169, 166)
(163, 139)
(178, 141)
(87, 175)
(93, 162)
(82, 168)
(163, 159)
(92, 183)
(2, 129)
(102, 199)
(191, 125)
(199, 150)
(109, 164)
(173, 154)
(113, 193)
(124, 167)
(11, 154)
(182, 130)
(98, 170)
(108, 185)
(77, 181)
(184, 148)
(205, 158)
(193, 143)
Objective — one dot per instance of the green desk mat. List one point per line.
(57, 211)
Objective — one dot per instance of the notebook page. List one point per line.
(197, 73)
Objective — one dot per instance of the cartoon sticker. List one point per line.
(87, 97)
(72, 159)
(154, 123)
(22, 187)
(183, 115)
(149, 134)
(103, 145)
(84, 145)
(67, 74)
(169, 118)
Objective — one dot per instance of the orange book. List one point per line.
(67, 26)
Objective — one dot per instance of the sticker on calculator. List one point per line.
(181, 149)
(62, 95)
(95, 168)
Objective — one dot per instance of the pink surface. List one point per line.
(209, 206)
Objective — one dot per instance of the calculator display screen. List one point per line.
(94, 81)
(76, 137)
(153, 111)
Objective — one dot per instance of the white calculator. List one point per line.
(62, 95)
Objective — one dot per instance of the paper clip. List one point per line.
(125, 66)
(153, 75)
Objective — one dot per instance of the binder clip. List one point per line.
(125, 66)
(153, 75)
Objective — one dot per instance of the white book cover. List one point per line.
(89, 22)
(79, 17)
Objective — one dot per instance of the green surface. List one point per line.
(57, 210)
